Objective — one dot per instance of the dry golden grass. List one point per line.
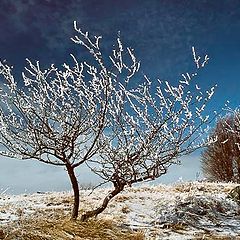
(212, 237)
(203, 187)
(125, 209)
(61, 229)
(121, 198)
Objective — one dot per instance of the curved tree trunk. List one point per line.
(94, 213)
(75, 188)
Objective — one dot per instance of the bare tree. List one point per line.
(149, 126)
(106, 114)
(234, 125)
(221, 160)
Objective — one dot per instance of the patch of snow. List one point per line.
(180, 211)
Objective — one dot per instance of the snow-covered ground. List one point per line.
(193, 210)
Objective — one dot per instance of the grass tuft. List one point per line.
(61, 229)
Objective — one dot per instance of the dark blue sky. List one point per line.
(162, 33)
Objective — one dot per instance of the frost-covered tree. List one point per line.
(221, 160)
(103, 113)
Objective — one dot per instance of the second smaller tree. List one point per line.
(221, 160)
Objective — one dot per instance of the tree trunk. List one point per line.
(75, 188)
(94, 213)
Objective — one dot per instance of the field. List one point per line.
(191, 210)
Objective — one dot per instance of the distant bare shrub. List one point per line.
(221, 160)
